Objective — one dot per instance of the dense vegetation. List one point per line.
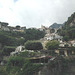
(68, 30)
(20, 66)
(6, 39)
(9, 38)
(34, 34)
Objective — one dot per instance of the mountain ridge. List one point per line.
(55, 25)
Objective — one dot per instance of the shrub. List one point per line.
(24, 54)
(7, 50)
(33, 45)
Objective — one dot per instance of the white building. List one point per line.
(72, 43)
(54, 37)
(4, 26)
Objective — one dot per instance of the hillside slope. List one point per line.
(68, 30)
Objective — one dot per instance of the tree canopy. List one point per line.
(33, 45)
(33, 34)
(52, 45)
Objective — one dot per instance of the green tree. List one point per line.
(14, 65)
(52, 45)
(65, 38)
(33, 45)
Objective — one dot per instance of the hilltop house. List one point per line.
(4, 26)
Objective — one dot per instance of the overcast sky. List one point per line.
(34, 13)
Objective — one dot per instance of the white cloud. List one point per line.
(33, 13)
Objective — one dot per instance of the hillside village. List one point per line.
(48, 36)
(45, 46)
